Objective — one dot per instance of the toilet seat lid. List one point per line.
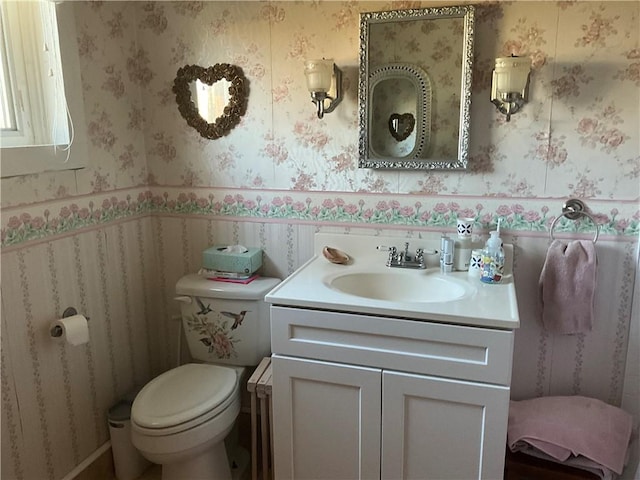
(182, 394)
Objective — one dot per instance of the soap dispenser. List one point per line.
(492, 267)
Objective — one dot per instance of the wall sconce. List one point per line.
(510, 84)
(324, 81)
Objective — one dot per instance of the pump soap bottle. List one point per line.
(492, 259)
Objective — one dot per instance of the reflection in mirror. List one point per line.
(439, 43)
(211, 99)
(400, 111)
(401, 126)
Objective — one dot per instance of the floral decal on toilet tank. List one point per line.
(215, 334)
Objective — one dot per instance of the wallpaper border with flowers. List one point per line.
(27, 223)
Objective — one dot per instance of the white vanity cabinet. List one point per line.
(367, 397)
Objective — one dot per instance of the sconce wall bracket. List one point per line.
(326, 102)
(508, 103)
(510, 84)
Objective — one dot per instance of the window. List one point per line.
(42, 120)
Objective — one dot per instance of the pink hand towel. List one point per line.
(575, 425)
(567, 285)
(583, 463)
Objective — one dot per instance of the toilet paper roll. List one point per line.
(73, 330)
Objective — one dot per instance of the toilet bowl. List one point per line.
(180, 419)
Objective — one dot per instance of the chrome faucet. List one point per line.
(405, 259)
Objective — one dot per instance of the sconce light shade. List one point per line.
(510, 84)
(324, 82)
(318, 74)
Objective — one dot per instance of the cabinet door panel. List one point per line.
(326, 420)
(436, 428)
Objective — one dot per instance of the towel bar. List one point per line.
(574, 209)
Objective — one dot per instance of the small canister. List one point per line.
(448, 247)
(475, 263)
(462, 253)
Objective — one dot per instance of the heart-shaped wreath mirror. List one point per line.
(401, 126)
(216, 109)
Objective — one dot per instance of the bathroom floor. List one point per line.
(153, 473)
(103, 467)
(244, 426)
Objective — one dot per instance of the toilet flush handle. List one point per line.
(184, 299)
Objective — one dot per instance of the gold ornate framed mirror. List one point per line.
(220, 93)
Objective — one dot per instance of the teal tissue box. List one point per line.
(215, 258)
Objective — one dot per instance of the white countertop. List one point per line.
(486, 305)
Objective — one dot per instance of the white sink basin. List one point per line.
(401, 286)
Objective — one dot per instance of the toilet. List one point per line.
(180, 419)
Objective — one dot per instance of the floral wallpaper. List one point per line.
(575, 137)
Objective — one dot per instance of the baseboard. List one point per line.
(97, 466)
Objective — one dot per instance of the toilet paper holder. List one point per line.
(68, 312)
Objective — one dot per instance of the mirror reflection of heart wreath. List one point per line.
(238, 91)
(401, 126)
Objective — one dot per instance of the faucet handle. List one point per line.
(393, 256)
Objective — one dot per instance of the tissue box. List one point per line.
(214, 258)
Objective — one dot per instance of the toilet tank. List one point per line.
(226, 323)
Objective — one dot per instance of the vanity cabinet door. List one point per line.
(441, 428)
(326, 420)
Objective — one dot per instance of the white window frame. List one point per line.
(22, 160)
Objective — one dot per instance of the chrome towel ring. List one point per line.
(574, 209)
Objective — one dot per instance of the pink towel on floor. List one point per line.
(575, 425)
(583, 463)
(567, 285)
